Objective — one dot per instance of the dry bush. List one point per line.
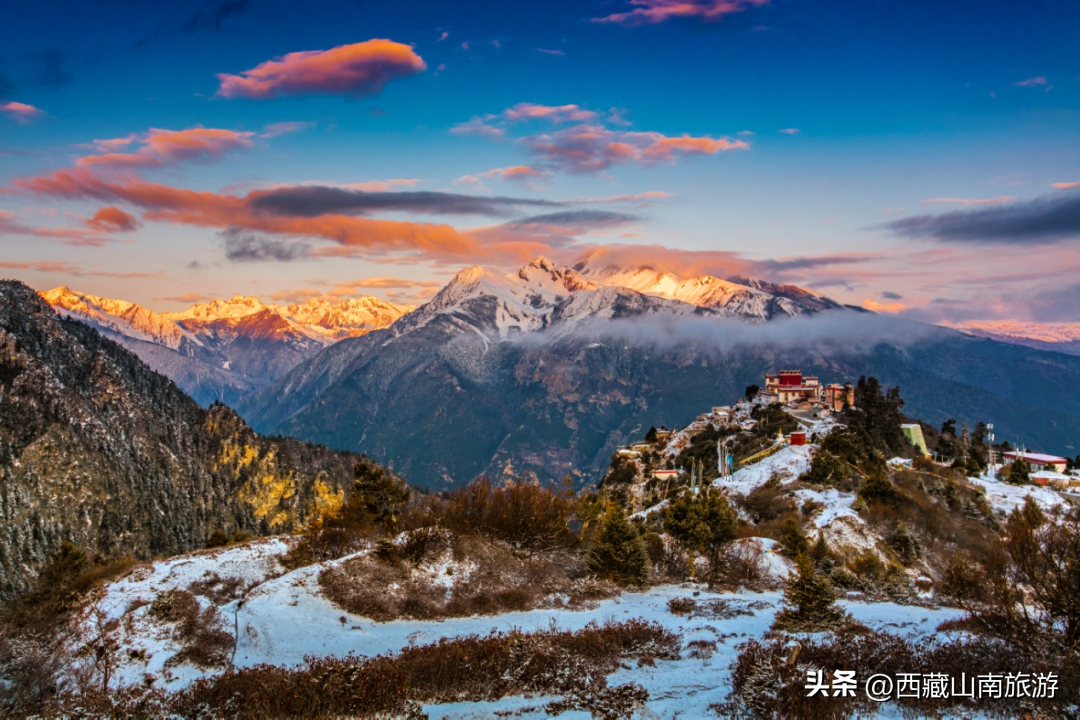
(529, 517)
(714, 608)
(668, 563)
(202, 640)
(551, 662)
(740, 565)
(322, 544)
(481, 577)
(769, 677)
(767, 502)
(217, 589)
(681, 606)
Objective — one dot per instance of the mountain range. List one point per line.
(98, 449)
(545, 371)
(1058, 337)
(221, 350)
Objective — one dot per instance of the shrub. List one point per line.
(767, 502)
(570, 665)
(905, 544)
(530, 517)
(217, 538)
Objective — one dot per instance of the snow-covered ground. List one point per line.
(284, 619)
(787, 464)
(1004, 497)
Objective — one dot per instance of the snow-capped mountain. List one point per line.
(1058, 336)
(223, 349)
(734, 297)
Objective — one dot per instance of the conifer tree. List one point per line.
(702, 523)
(792, 538)
(617, 552)
(1020, 472)
(821, 555)
(809, 602)
(377, 495)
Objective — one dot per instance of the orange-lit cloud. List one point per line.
(518, 173)
(874, 306)
(20, 112)
(1065, 185)
(112, 219)
(167, 147)
(10, 226)
(554, 113)
(651, 12)
(381, 185)
(359, 69)
(63, 268)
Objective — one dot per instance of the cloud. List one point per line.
(311, 201)
(546, 51)
(580, 219)
(791, 131)
(642, 198)
(381, 185)
(112, 219)
(969, 201)
(63, 268)
(888, 295)
(282, 128)
(1066, 185)
(167, 147)
(359, 70)
(20, 112)
(212, 13)
(518, 173)
(554, 113)
(68, 236)
(651, 12)
(523, 112)
(191, 297)
(242, 246)
(883, 307)
(593, 148)
(1045, 219)
(1060, 304)
(1038, 81)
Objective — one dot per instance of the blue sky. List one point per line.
(897, 114)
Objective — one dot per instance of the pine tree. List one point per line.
(821, 555)
(792, 538)
(1020, 472)
(377, 495)
(905, 544)
(878, 488)
(809, 602)
(617, 552)
(702, 523)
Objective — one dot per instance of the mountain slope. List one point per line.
(545, 372)
(1058, 337)
(223, 349)
(97, 448)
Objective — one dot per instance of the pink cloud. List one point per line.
(1066, 185)
(381, 185)
(546, 51)
(651, 12)
(69, 236)
(21, 112)
(360, 69)
(1038, 81)
(592, 148)
(112, 219)
(554, 113)
(168, 147)
(791, 131)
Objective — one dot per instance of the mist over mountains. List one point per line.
(546, 371)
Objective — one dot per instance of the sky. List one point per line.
(914, 158)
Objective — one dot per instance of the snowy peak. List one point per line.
(237, 306)
(118, 316)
